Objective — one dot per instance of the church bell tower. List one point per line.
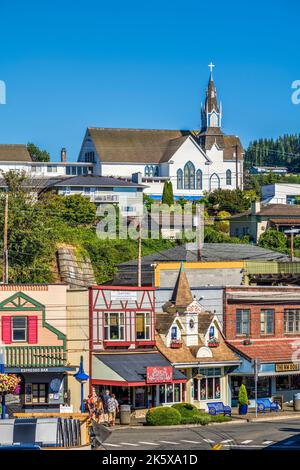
(211, 113)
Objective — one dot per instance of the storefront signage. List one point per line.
(45, 369)
(288, 367)
(159, 374)
(123, 295)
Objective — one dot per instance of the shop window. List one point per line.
(263, 386)
(292, 321)
(242, 322)
(288, 382)
(19, 329)
(170, 393)
(114, 326)
(36, 393)
(162, 393)
(208, 388)
(267, 322)
(143, 325)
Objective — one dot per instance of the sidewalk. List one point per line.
(287, 413)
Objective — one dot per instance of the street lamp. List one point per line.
(82, 378)
(3, 404)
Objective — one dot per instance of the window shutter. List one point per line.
(32, 330)
(6, 329)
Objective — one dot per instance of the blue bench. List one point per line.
(218, 408)
(264, 404)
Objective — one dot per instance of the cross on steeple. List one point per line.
(211, 66)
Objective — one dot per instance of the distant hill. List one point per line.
(284, 151)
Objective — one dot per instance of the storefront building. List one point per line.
(33, 340)
(263, 324)
(124, 357)
(191, 339)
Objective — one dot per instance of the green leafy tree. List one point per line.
(273, 239)
(79, 210)
(226, 200)
(222, 225)
(242, 395)
(37, 154)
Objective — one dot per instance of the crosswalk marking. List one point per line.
(148, 443)
(190, 442)
(267, 442)
(226, 440)
(247, 442)
(128, 444)
(209, 441)
(169, 442)
(112, 445)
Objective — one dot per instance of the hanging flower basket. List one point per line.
(213, 343)
(247, 342)
(9, 383)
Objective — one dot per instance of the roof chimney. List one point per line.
(255, 207)
(63, 155)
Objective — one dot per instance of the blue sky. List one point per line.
(68, 65)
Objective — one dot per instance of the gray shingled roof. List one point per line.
(93, 180)
(127, 272)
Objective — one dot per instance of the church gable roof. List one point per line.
(14, 153)
(136, 145)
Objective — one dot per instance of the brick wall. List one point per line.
(255, 308)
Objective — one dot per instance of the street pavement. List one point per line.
(257, 436)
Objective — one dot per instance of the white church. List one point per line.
(194, 161)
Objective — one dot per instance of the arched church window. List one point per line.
(147, 171)
(214, 182)
(199, 179)
(156, 171)
(179, 179)
(214, 120)
(151, 170)
(189, 176)
(228, 177)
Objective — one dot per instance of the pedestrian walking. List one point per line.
(116, 411)
(91, 405)
(99, 411)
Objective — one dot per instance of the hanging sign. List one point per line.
(159, 374)
(123, 295)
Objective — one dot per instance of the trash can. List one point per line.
(125, 414)
(297, 402)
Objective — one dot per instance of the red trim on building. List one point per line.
(131, 384)
(122, 288)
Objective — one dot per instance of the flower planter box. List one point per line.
(176, 345)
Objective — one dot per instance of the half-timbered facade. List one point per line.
(124, 357)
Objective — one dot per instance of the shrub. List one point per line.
(163, 416)
(199, 418)
(220, 419)
(243, 396)
(186, 409)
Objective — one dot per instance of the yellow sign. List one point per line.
(288, 367)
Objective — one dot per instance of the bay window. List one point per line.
(114, 326)
(143, 325)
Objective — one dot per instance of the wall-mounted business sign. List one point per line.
(34, 369)
(123, 295)
(286, 367)
(159, 374)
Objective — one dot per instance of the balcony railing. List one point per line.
(35, 356)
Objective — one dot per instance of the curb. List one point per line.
(182, 426)
(272, 418)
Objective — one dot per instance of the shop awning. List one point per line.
(129, 369)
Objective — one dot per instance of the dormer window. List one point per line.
(211, 332)
(174, 333)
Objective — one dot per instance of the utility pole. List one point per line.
(5, 250)
(139, 252)
(236, 167)
(291, 232)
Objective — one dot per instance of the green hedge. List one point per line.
(163, 416)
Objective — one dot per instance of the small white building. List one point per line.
(194, 161)
(280, 193)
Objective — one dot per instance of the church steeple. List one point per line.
(211, 113)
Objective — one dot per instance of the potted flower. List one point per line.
(243, 400)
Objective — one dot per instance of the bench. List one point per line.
(218, 408)
(264, 404)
